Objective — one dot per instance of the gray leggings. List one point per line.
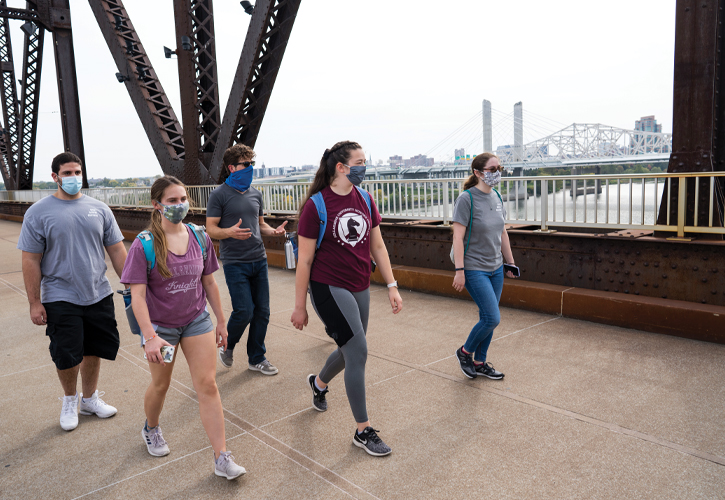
(345, 315)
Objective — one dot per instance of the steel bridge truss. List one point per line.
(593, 141)
(18, 130)
(194, 152)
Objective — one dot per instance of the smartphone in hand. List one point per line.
(514, 269)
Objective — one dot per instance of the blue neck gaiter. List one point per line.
(241, 179)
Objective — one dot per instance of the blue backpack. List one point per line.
(319, 202)
(147, 242)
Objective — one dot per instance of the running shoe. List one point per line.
(318, 396)
(69, 413)
(265, 367)
(369, 441)
(487, 370)
(155, 442)
(96, 406)
(465, 361)
(224, 466)
(226, 357)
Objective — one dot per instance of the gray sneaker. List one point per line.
(370, 442)
(226, 357)
(224, 466)
(265, 367)
(155, 442)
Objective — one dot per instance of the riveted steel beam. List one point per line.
(147, 94)
(267, 38)
(30, 102)
(698, 134)
(198, 86)
(11, 117)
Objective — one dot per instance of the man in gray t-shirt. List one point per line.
(234, 215)
(63, 239)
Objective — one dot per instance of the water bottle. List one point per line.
(289, 251)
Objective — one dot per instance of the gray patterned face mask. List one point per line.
(175, 213)
(492, 178)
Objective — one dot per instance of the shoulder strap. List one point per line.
(366, 196)
(319, 202)
(200, 236)
(147, 242)
(470, 224)
(499, 195)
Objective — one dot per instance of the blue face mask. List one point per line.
(71, 185)
(357, 174)
(241, 179)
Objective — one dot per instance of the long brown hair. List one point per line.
(478, 163)
(339, 153)
(160, 244)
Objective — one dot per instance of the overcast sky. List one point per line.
(398, 76)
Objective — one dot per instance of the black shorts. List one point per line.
(77, 331)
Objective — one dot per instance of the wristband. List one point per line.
(460, 269)
(393, 284)
(149, 340)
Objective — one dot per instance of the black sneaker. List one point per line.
(487, 370)
(370, 442)
(466, 363)
(318, 397)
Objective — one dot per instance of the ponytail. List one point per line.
(339, 153)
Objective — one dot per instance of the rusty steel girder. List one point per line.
(30, 103)
(147, 94)
(11, 116)
(698, 129)
(264, 46)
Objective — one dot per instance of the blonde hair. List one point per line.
(478, 163)
(160, 244)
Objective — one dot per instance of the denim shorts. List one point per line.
(199, 326)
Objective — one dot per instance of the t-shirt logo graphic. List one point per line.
(351, 228)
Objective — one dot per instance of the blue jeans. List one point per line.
(248, 285)
(485, 289)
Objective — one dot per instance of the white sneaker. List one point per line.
(224, 466)
(69, 413)
(95, 405)
(155, 442)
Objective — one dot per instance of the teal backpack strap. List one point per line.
(470, 224)
(499, 195)
(319, 202)
(147, 242)
(200, 236)
(366, 197)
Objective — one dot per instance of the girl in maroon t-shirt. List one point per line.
(338, 278)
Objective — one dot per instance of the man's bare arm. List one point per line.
(118, 254)
(32, 276)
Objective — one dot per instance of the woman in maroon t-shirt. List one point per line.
(337, 275)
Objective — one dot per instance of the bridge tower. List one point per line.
(487, 128)
(518, 132)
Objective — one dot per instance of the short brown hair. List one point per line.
(236, 153)
(62, 159)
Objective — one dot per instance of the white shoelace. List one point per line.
(157, 440)
(69, 406)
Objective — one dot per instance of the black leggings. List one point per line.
(345, 315)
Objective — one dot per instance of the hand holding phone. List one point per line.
(512, 269)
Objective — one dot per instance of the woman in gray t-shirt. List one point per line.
(479, 267)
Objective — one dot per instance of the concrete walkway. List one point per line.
(585, 411)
